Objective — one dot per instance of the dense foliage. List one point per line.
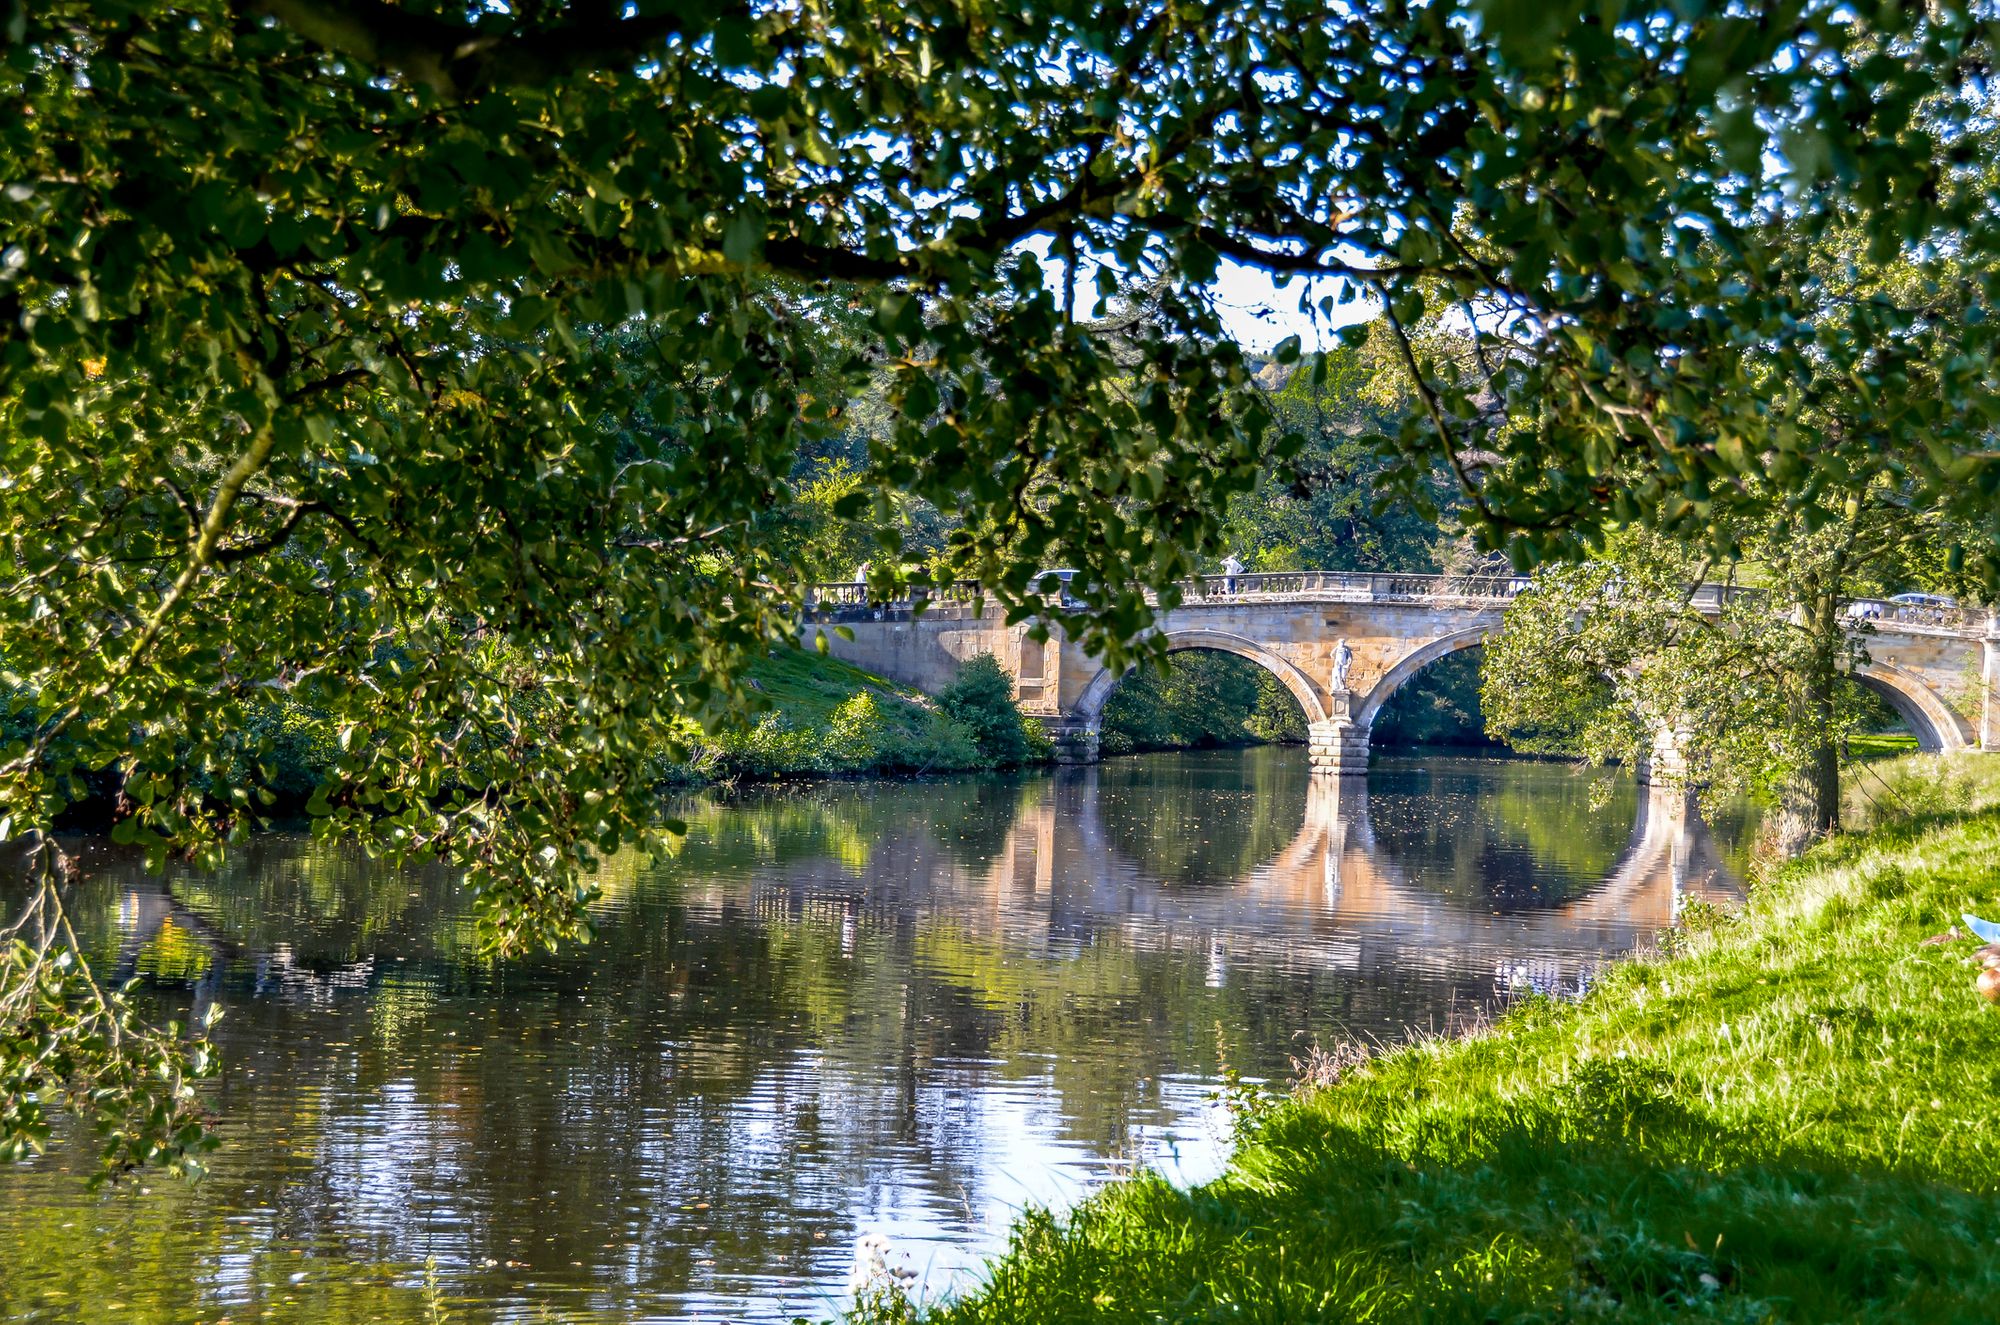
(447, 370)
(1604, 660)
(829, 719)
(980, 699)
(1438, 706)
(1324, 501)
(1611, 660)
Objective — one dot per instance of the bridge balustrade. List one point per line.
(955, 600)
(830, 602)
(1936, 616)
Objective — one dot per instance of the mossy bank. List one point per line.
(1795, 1116)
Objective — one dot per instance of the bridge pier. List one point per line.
(1989, 700)
(1338, 747)
(1663, 765)
(1078, 740)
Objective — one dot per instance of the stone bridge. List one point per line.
(1344, 643)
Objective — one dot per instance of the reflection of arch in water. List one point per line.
(1671, 841)
(1669, 856)
(1060, 877)
(1335, 867)
(1090, 704)
(1937, 726)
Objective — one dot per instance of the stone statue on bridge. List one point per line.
(1343, 661)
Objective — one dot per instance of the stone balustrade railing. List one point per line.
(838, 602)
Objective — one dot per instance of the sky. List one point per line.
(1257, 310)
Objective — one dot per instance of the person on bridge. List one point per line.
(1232, 567)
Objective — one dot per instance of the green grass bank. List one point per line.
(828, 718)
(1795, 1116)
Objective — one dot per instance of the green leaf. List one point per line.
(743, 239)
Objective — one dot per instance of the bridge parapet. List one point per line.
(957, 599)
(848, 601)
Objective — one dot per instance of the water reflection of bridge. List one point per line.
(1332, 899)
(1064, 866)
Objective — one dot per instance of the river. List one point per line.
(902, 1009)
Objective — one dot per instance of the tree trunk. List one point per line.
(1811, 808)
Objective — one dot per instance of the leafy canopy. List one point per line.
(442, 368)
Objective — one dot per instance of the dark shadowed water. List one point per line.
(902, 1009)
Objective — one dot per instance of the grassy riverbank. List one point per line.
(1795, 1118)
(827, 718)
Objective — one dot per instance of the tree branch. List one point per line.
(200, 557)
(1431, 406)
(229, 556)
(457, 59)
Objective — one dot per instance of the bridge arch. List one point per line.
(1415, 661)
(1938, 728)
(1090, 704)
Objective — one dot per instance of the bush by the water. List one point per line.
(830, 718)
(862, 734)
(980, 699)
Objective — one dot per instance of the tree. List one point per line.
(1321, 502)
(1437, 706)
(1607, 660)
(981, 699)
(1199, 699)
(319, 319)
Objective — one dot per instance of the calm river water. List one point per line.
(905, 1009)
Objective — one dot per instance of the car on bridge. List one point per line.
(1923, 608)
(1062, 577)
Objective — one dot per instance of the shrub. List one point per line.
(981, 699)
(862, 734)
(855, 737)
(301, 754)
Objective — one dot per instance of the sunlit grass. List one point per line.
(823, 716)
(1880, 745)
(1797, 1118)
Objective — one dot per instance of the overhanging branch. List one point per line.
(455, 59)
